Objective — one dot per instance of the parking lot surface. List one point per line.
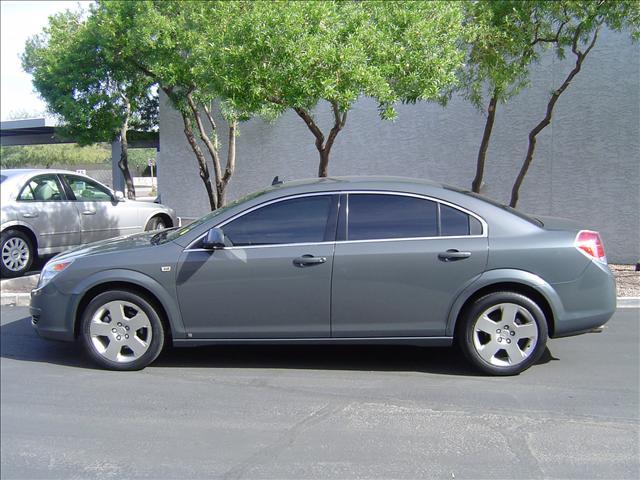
(320, 412)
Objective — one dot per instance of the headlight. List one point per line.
(52, 269)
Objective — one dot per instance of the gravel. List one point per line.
(627, 280)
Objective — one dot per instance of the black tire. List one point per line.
(7, 263)
(133, 304)
(156, 223)
(521, 351)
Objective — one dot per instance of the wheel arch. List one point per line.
(524, 283)
(158, 213)
(134, 282)
(24, 228)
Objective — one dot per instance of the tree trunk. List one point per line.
(221, 185)
(123, 164)
(324, 148)
(484, 144)
(202, 162)
(580, 56)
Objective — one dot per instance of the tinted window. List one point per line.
(44, 188)
(86, 190)
(374, 216)
(2, 178)
(299, 220)
(453, 221)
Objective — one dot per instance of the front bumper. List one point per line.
(51, 313)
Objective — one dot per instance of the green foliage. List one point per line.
(83, 83)
(294, 54)
(65, 154)
(53, 155)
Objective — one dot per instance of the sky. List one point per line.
(19, 21)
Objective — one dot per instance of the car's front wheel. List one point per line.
(17, 253)
(156, 223)
(503, 333)
(122, 330)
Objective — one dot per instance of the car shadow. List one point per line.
(18, 341)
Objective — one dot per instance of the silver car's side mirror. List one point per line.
(214, 240)
(119, 196)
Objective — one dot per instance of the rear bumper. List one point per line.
(50, 315)
(587, 303)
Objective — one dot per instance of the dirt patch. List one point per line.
(627, 280)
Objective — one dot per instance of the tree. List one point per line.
(295, 55)
(582, 22)
(98, 98)
(504, 38)
(175, 45)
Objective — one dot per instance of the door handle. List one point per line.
(452, 255)
(307, 260)
(30, 215)
(89, 212)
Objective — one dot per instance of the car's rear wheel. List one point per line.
(156, 223)
(122, 331)
(17, 253)
(503, 333)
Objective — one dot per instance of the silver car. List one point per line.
(49, 211)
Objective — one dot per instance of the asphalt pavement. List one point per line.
(320, 412)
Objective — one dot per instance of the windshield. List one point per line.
(509, 209)
(174, 234)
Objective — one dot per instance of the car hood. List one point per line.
(128, 242)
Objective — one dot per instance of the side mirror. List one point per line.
(119, 196)
(214, 240)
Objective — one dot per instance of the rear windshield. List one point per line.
(502, 206)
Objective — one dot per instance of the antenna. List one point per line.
(276, 180)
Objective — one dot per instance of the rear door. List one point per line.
(403, 262)
(43, 205)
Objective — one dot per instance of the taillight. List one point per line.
(589, 243)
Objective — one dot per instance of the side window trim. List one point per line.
(343, 216)
(63, 193)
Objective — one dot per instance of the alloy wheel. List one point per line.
(505, 334)
(120, 331)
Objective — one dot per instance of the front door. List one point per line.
(405, 260)
(272, 281)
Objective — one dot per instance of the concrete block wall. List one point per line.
(586, 167)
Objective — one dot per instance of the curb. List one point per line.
(15, 299)
(23, 299)
(628, 302)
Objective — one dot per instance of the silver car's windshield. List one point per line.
(174, 234)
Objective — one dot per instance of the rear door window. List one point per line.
(379, 216)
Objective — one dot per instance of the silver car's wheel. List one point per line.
(17, 253)
(505, 334)
(122, 330)
(502, 333)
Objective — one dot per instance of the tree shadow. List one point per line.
(19, 341)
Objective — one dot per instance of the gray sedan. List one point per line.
(49, 211)
(342, 260)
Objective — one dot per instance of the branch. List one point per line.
(302, 113)
(339, 121)
(204, 137)
(210, 117)
(231, 153)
